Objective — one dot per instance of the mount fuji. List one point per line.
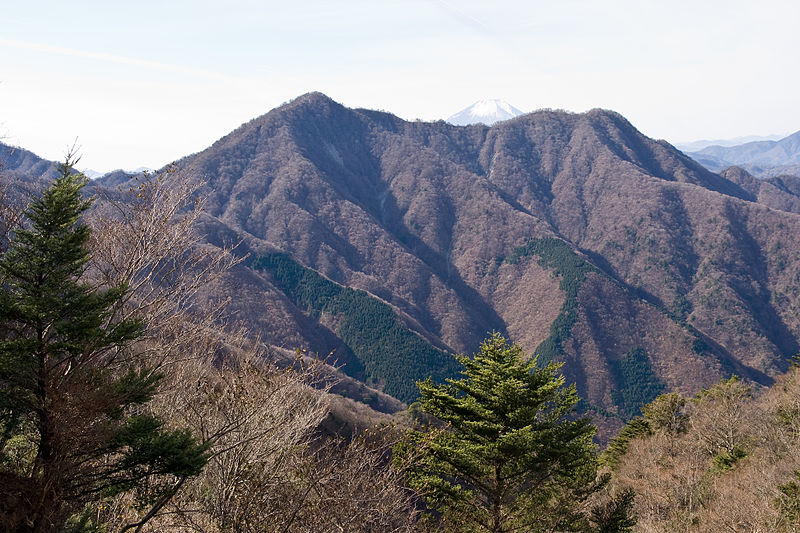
(485, 112)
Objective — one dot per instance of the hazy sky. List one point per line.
(144, 83)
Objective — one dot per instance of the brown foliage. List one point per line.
(145, 236)
(269, 472)
(11, 207)
(422, 215)
(724, 470)
(259, 420)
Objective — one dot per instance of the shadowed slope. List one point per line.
(693, 275)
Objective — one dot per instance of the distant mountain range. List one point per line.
(696, 146)
(392, 243)
(486, 112)
(762, 158)
(93, 174)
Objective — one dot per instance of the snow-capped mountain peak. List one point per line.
(485, 112)
(94, 174)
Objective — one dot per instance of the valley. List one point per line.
(573, 234)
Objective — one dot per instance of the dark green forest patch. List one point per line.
(391, 354)
(638, 385)
(556, 255)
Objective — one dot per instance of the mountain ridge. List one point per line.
(696, 146)
(693, 272)
(424, 196)
(758, 157)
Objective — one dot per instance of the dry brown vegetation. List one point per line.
(269, 467)
(696, 272)
(694, 269)
(723, 463)
(697, 269)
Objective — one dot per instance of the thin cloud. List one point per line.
(113, 58)
(501, 39)
(467, 19)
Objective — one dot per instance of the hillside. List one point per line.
(724, 460)
(573, 234)
(689, 278)
(763, 158)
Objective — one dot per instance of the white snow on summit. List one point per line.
(485, 112)
(93, 174)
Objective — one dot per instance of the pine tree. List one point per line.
(511, 456)
(73, 418)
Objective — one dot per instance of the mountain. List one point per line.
(486, 112)
(762, 158)
(391, 243)
(18, 163)
(781, 192)
(93, 174)
(695, 146)
(574, 234)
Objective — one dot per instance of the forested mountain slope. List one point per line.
(574, 234)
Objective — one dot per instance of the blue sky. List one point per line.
(144, 83)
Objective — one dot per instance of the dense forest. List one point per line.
(367, 326)
(561, 325)
(127, 405)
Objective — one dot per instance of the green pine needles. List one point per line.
(74, 426)
(510, 455)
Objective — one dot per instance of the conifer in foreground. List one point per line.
(74, 425)
(511, 456)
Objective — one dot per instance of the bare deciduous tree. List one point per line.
(268, 470)
(11, 209)
(357, 490)
(146, 236)
(720, 421)
(259, 420)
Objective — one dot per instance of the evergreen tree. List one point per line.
(73, 418)
(511, 456)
